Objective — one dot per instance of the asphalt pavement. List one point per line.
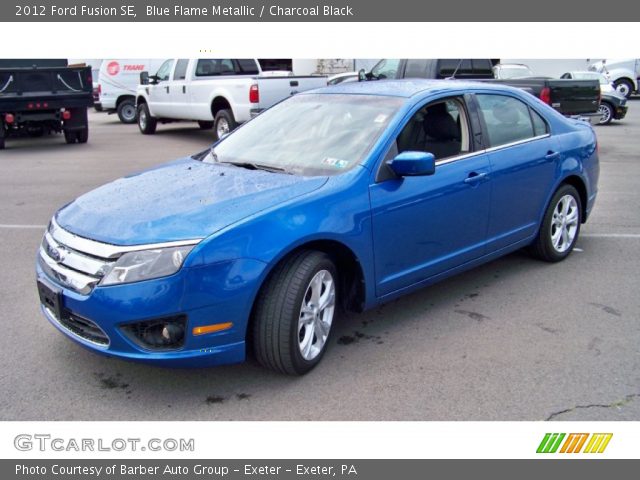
(516, 339)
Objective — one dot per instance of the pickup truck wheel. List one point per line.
(70, 136)
(127, 111)
(146, 123)
(560, 227)
(204, 125)
(606, 113)
(82, 136)
(224, 123)
(624, 87)
(294, 313)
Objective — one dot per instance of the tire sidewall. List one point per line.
(548, 217)
(610, 108)
(121, 116)
(226, 115)
(149, 128)
(300, 364)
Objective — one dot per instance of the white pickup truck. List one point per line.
(220, 93)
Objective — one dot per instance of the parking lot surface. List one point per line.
(516, 339)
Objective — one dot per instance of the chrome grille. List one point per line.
(75, 262)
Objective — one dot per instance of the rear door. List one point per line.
(523, 159)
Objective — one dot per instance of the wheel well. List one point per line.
(219, 103)
(626, 79)
(140, 101)
(577, 183)
(122, 98)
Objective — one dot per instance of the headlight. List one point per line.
(145, 265)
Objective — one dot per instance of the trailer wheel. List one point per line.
(127, 111)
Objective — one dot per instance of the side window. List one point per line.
(386, 68)
(247, 66)
(439, 127)
(180, 72)
(164, 71)
(210, 67)
(507, 119)
(539, 125)
(415, 69)
(447, 67)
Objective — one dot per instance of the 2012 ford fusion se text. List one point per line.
(338, 198)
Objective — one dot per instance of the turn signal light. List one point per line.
(217, 327)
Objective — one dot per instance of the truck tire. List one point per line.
(224, 123)
(70, 136)
(624, 87)
(82, 136)
(294, 313)
(127, 111)
(3, 134)
(146, 123)
(606, 111)
(205, 125)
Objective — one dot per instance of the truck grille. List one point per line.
(74, 262)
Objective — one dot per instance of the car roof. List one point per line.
(406, 88)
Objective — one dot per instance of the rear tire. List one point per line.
(224, 123)
(146, 123)
(560, 226)
(70, 136)
(294, 313)
(127, 111)
(205, 125)
(82, 136)
(3, 135)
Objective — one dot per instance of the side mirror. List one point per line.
(362, 75)
(144, 78)
(413, 164)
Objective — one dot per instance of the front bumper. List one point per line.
(206, 295)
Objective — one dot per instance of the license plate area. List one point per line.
(51, 298)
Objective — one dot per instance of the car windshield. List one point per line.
(309, 134)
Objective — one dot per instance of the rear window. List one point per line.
(211, 67)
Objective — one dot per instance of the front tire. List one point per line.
(224, 123)
(560, 227)
(606, 113)
(624, 87)
(127, 111)
(294, 313)
(146, 123)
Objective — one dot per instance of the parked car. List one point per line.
(624, 73)
(216, 93)
(39, 97)
(342, 77)
(569, 97)
(117, 84)
(613, 105)
(342, 197)
(505, 71)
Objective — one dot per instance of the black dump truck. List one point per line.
(580, 98)
(39, 97)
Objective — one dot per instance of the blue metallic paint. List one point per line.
(405, 232)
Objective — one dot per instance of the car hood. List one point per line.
(182, 200)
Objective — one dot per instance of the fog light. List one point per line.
(160, 334)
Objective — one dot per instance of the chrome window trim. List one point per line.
(107, 250)
(445, 161)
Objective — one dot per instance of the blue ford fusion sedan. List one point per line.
(339, 198)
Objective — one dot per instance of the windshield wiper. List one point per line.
(258, 166)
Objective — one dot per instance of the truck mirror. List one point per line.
(144, 78)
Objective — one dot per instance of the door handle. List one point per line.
(167, 88)
(551, 155)
(475, 177)
(184, 89)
